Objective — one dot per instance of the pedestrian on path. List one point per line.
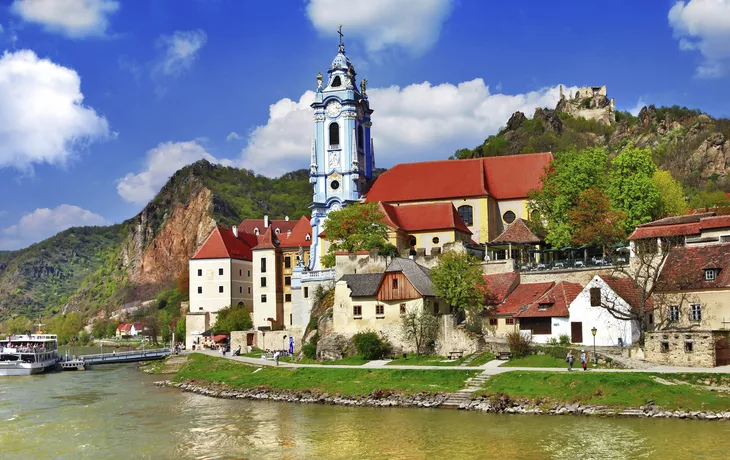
(583, 360)
(569, 359)
(276, 358)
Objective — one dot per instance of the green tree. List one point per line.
(356, 228)
(570, 173)
(631, 187)
(180, 329)
(706, 200)
(111, 328)
(17, 325)
(99, 328)
(420, 327)
(235, 318)
(594, 221)
(458, 279)
(671, 194)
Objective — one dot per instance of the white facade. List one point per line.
(266, 301)
(560, 326)
(219, 283)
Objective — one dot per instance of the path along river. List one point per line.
(116, 412)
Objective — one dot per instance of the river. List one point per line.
(116, 412)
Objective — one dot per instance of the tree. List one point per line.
(706, 200)
(235, 318)
(458, 279)
(671, 194)
(569, 174)
(180, 329)
(594, 221)
(359, 227)
(419, 326)
(111, 328)
(631, 187)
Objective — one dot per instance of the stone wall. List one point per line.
(456, 338)
(681, 348)
(498, 266)
(580, 276)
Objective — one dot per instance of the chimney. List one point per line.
(266, 221)
(286, 218)
(235, 231)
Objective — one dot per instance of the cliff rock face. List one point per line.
(712, 157)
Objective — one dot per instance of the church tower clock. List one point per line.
(342, 159)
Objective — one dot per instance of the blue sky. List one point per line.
(102, 100)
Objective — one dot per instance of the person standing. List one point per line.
(569, 359)
(276, 358)
(583, 360)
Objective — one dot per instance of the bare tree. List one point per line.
(419, 326)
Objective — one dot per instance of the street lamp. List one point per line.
(595, 358)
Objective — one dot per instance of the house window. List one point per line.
(466, 213)
(710, 274)
(509, 217)
(263, 281)
(695, 312)
(651, 318)
(287, 262)
(395, 283)
(493, 321)
(200, 272)
(436, 308)
(200, 289)
(665, 347)
(674, 313)
(380, 310)
(402, 309)
(249, 290)
(220, 271)
(287, 297)
(357, 311)
(334, 134)
(287, 281)
(263, 265)
(263, 298)
(240, 272)
(595, 297)
(306, 292)
(248, 273)
(220, 289)
(240, 289)
(509, 321)
(435, 240)
(688, 346)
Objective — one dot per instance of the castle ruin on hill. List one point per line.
(589, 102)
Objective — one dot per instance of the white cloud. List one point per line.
(1, 29)
(179, 51)
(415, 123)
(74, 18)
(640, 104)
(233, 136)
(380, 24)
(42, 116)
(161, 163)
(704, 26)
(44, 222)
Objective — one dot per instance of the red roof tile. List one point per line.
(684, 269)
(424, 217)
(505, 177)
(499, 286)
(517, 233)
(223, 244)
(249, 225)
(522, 295)
(680, 226)
(268, 240)
(298, 235)
(627, 290)
(665, 230)
(714, 222)
(553, 303)
(674, 220)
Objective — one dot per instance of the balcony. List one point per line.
(318, 275)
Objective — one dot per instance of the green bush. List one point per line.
(519, 344)
(310, 348)
(565, 340)
(369, 345)
(558, 352)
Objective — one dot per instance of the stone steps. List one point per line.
(463, 396)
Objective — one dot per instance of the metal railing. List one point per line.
(576, 264)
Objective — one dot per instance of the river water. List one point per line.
(116, 412)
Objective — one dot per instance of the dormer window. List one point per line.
(543, 306)
(307, 238)
(336, 82)
(276, 231)
(711, 274)
(256, 231)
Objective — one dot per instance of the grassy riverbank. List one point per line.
(351, 382)
(623, 390)
(435, 360)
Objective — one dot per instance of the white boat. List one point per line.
(28, 354)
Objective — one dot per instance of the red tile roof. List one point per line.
(674, 220)
(223, 244)
(249, 225)
(684, 269)
(553, 303)
(423, 217)
(298, 236)
(680, 226)
(517, 233)
(505, 177)
(499, 286)
(627, 290)
(522, 295)
(714, 222)
(268, 240)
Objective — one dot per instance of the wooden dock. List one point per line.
(82, 362)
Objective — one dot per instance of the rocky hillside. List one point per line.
(87, 269)
(693, 146)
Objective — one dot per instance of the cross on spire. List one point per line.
(339, 32)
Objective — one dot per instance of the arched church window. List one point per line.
(334, 134)
(360, 138)
(466, 213)
(509, 217)
(336, 82)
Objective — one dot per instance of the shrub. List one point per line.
(565, 340)
(555, 351)
(369, 345)
(310, 348)
(519, 344)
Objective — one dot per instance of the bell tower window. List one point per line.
(336, 82)
(360, 139)
(334, 134)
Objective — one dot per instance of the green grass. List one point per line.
(538, 361)
(436, 360)
(352, 382)
(481, 359)
(607, 389)
(347, 360)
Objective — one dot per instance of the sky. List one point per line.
(101, 101)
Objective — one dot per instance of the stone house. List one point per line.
(506, 296)
(426, 226)
(548, 317)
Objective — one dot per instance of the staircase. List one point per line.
(463, 397)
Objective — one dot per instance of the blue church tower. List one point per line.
(342, 157)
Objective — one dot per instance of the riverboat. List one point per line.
(28, 354)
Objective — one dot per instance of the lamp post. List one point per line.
(595, 358)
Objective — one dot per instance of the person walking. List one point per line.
(276, 358)
(583, 360)
(569, 359)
